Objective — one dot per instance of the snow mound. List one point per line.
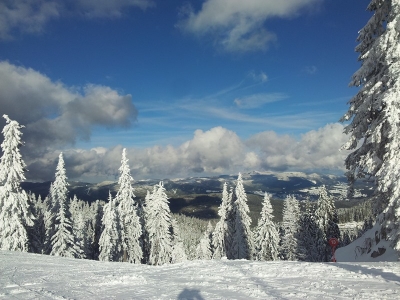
(34, 276)
(372, 246)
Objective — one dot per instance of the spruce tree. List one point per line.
(242, 244)
(159, 228)
(374, 113)
(204, 249)
(266, 236)
(327, 220)
(222, 235)
(15, 214)
(131, 228)
(290, 226)
(178, 251)
(110, 238)
(63, 242)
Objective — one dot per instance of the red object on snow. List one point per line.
(333, 242)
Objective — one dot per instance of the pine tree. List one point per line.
(159, 224)
(374, 113)
(222, 235)
(327, 220)
(63, 242)
(178, 251)
(15, 214)
(266, 236)
(290, 226)
(131, 229)
(242, 244)
(310, 236)
(204, 250)
(110, 239)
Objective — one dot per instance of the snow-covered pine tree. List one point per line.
(37, 233)
(290, 226)
(131, 229)
(374, 113)
(327, 220)
(204, 249)
(242, 244)
(15, 214)
(159, 224)
(178, 250)
(110, 239)
(63, 242)
(97, 211)
(145, 220)
(266, 236)
(222, 235)
(310, 236)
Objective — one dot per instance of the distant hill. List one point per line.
(200, 196)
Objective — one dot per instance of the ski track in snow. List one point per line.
(33, 276)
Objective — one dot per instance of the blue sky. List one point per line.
(245, 67)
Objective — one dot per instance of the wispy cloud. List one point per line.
(31, 16)
(310, 70)
(258, 100)
(238, 26)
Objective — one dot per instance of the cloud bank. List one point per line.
(31, 16)
(55, 115)
(212, 152)
(237, 25)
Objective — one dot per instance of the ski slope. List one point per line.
(34, 276)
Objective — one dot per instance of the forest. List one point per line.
(125, 228)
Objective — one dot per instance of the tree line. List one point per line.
(129, 229)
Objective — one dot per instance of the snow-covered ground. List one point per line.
(33, 276)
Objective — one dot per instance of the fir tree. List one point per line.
(159, 224)
(131, 228)
(178, 251)
(327, 220)
(204, 250)
(222, 235)
(310, 236)
(374, 113)
(266, 236)
(63, 242)
(290, 226)
(15, 214)
(110, 239)
(242, 244)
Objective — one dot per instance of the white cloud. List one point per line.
(310, 70)
(258, 100)
(31, 16)
(216, 151)
(259, 77)
(55, 115)
(237, 25)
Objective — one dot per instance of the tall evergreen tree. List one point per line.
(159, 228)
(374, 113)
(178, 250)
(110, 239)
(63, 242)
(266, 236)
(290, 226)
(204, 249)
(310, 236)
(131, 229)
(242, 244)
(222, 235)
(327, 220)
(15, 214)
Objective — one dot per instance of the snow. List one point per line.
(363, 248)
(35, 276)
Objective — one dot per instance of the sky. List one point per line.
(190, 88)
